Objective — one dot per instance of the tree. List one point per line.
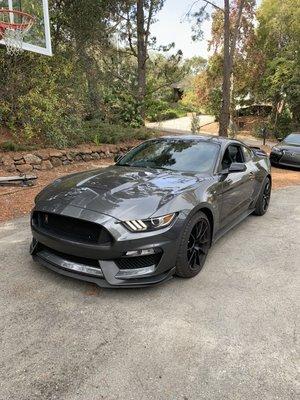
(138, 17)
(278, 39)
(85, 24)
(231, 17)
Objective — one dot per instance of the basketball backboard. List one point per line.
(38, 38)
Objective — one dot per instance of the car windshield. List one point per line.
(293, 138)
(176, 155)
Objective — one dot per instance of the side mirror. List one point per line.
(118, 157)
(280, 139)
(237, 167)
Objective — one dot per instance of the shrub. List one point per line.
(9, 145)
(160, 110)
(99, 132)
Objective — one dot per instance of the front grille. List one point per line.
(70, 228)
(138, 262)
(275, 157)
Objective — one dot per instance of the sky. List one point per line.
(171, 27)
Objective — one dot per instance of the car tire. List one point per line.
(194, 246)
(263, 200)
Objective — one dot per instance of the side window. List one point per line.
(247, 154)
(232, 154)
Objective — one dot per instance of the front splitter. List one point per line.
(102, 282)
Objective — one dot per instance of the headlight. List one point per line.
(151, 224)
(277, 150)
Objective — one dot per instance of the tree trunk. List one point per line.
(141, 55)
(91, 73)
(225, 109)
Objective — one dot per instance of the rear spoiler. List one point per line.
(258, 151)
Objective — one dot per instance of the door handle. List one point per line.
(251, 175)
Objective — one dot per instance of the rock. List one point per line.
(70, 155)
(24, 168)
(7, 161)
(95, 156)
(87, 157)
(66, 162)
(20, 162)
(43, 154)
(78, 157)
(17, 156)
(55, 153)
(85, 150)
(10, 168)
(46, 165)
(32, 159)
(56, 161)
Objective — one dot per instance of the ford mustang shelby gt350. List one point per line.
(152, 215)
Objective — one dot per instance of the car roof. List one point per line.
(223, 141)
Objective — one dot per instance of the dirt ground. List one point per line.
(16, 201)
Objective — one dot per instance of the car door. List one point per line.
(237, 188)
(255, 174)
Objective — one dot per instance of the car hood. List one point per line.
(289, 147)
(122, 192)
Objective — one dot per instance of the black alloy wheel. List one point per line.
(194, 246)
(198, 244)
(263, 200)
(266, 196)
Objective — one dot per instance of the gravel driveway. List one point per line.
(229, 333)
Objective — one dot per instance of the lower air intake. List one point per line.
(138, 262)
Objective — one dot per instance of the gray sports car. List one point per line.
(153, 214)
(287, 152)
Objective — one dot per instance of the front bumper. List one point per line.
(106, 265)
(285, 159)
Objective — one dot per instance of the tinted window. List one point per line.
(233, 153)
(247, 154)
(293, 138)
(176, 155)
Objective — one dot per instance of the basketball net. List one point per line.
(13, 32)
(13, 39)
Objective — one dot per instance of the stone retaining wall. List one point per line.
(46, 159)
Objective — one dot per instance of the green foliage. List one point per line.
(41, 99)
(99, 132)
(278, 38)
(278, 127)
(160, 110)
(9, 145)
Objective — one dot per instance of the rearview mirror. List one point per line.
(118, 157)
(237, 167)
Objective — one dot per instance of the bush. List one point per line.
(281, 129)
(42, 102)
(99, 132)
(160, 110)
(9, 145)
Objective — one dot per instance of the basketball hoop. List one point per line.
(14, 25)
